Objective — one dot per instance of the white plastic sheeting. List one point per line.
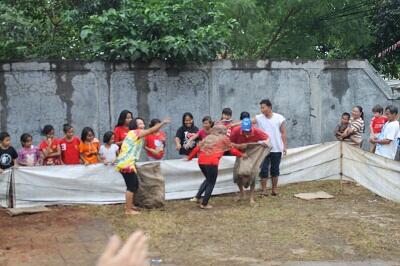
(99, 184)
(376, 173)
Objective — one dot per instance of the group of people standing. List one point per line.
(384, 130)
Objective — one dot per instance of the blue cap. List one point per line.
(246, 124)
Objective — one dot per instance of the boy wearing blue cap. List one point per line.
(240, 137)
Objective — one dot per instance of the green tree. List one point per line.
(176, 31)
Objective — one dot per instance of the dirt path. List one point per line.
(63, 236)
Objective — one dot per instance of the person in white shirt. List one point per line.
(109, 150)
(387, 140)
(274, 125)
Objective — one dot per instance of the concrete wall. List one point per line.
(310, 94)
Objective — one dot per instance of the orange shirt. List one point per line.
(90, 151)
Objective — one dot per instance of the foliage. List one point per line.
(386, 32)
(170, 30)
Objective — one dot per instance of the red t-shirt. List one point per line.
(377, 123)
(120, 133)
(256, 135)
(70, 150)
(50, 160)
(156, 142)
(202, 134)
(211, 159)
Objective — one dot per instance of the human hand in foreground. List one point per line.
(132, 253)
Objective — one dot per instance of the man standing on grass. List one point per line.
(274, 125)
(387, 140)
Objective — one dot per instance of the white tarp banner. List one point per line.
(376, 173)
(100, 184)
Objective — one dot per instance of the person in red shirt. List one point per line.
(210, 151)
(155, 142)
(50, 150)
(240, 137)
(376, 125)
(122, 127)
(202, 133)
(69, 146)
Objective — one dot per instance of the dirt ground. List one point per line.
(354, 227)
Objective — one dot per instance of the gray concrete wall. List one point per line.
(310, 94)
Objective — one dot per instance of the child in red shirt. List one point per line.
(50, 147)
(155, 142)
(202, 133)
(69, 146)
(376, 125)
(210, 151)
(122, 127)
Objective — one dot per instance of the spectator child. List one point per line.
(109, 150)
(70, 146)
(342, 126)
(377, 122)
(155, 142)
(184, 133)
(210, 151)
(89, 147)
(50, 147)
(8, 155)
(202, 133)
(122, 127)
(226, 120)
(28, 155)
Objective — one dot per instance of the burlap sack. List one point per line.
(151, 192)
(247, 169)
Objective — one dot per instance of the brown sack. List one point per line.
(248, 168)
(151, 192)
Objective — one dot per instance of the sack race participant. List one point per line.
(255, 143)
(210, 151)
(151, 192)
(127, 158)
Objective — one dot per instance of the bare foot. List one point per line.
(238, 197)
(194, 199)
(131, 212)
(135, 208)
(204, 207)
(274, 193)
(252, 201)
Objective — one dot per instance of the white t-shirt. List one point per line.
(110, 154)
(272, 126)
(389, 131)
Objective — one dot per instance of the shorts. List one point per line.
(131, 181)
(272, 162)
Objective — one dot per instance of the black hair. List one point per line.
(227, 111)
(377, 109)
(67, 127)
(85, 132)
(107, 136)
(209, 119)
(184, 116)
(267, 102)
(24, 138)
(4, 135)
(139, 118)
(346, 114)
(122, 117)
(133, 125)
(244, 115)
(154, 122)
(47, 129)
(392, 109)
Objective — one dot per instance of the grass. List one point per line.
(355, 225)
